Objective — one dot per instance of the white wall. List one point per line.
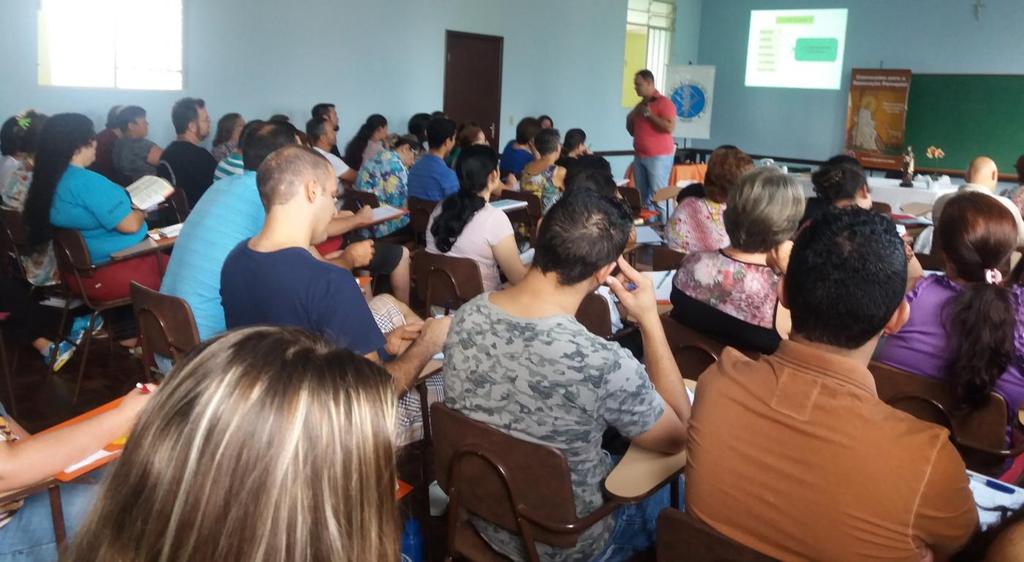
(259, 57)
(926, 36)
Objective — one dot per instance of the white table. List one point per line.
(889, 191)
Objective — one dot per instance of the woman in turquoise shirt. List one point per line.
(64, 194)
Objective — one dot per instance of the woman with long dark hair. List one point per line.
(64, 194)
(465, 225)
(964, 326)
(369, 140)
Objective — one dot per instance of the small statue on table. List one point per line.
(908, 168)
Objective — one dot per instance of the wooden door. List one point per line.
(472, 81)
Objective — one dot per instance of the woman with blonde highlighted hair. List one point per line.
(268, 445)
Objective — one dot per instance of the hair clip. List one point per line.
(993, 276)
(24, 121)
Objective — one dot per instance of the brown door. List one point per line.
(472, 81)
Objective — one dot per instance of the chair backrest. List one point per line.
(593, 313)
(631, 196)
(445, 281)
(664, 258)
(166, 324)
(355, 200)
(534, 208)
(978, 435)
(72, 253)
(682, 537)
(501, 478)
(881, 208)
(693, 351)
(179, 203)
(419, 214)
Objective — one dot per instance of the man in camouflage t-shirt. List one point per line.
(519, 361)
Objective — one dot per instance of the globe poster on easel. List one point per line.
(691, 89)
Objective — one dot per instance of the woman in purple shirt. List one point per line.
(965, 327)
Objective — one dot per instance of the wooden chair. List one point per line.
(419, 217)
(631, 196)
(931, 262)
(520, 486)
(694, 352)
(52, 488)
(12, 242)
(445, 281)
(664, 258)
(682, 537)
(529, 217)
(166, 326)
(355, 200)
(178, 202)
(75, 264)
(979, 436)
(595, 316)
(881, 208)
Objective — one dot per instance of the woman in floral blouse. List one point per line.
(697, 224)
(386, 175)
(730, 294)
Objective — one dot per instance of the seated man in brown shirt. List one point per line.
(793, 454)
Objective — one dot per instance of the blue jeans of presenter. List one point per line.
(651, 174)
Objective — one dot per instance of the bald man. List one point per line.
(276, 277)
(983, 177)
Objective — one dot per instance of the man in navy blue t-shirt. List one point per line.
(274, 278)
(430, 178)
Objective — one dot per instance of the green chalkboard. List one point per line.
(966, 115)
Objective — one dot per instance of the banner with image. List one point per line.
(876, 116)
(691, 89)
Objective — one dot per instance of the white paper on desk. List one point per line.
(662, 281)
(647, 235)
(989, 500)
(57, 302)
(166, 232)
(507, 205)
(101, 454)
(385, 212)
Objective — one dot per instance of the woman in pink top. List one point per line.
(697, 224)
(465, 225)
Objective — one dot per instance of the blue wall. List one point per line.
(926, 36)
(260, 57)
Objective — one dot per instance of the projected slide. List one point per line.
(796, 48)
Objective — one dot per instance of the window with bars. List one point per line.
(649, 27)
(128, 44)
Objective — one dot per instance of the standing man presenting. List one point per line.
(651, 123)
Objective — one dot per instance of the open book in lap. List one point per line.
(149, 191)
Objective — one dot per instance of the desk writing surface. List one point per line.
(642, 469)
(147, 246)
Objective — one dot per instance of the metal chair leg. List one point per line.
(85, 355)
